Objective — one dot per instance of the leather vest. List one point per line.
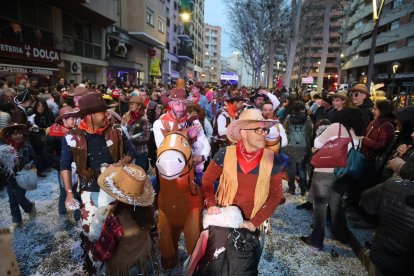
(114, 141)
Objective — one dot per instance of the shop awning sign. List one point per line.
(24, 51)
(307, 80)
(17, 69)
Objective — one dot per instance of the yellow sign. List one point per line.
(155, 69)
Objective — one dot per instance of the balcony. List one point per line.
(185, 53)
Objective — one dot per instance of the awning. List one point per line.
(11, 68)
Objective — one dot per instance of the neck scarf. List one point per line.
(14, 144)
(170, 117)
(84, 126)
(133, 117)
(231, 110)
(247, 160)
(147, 101)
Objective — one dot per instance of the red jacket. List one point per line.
(378, 135)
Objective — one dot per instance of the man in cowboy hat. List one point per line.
(197, 97)
(175, 120)
(250, 175)
(94, 142)
(139, 129)
(21, 103)
(63, 124)
(360, 98)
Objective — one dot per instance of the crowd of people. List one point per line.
(138, 164)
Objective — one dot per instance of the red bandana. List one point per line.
(171, 118)
(147, 101)
(231, 110)
(247, 160)
(14, 144)
(133, 117)
(84, 126)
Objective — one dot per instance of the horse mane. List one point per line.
(167, 129)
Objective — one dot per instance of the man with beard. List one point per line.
(94, 142)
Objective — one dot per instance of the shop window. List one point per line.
(67, 24)
(28, 12)
(45, 18)
(96, 35)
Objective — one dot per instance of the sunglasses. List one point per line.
(259, 130)
(354, 94)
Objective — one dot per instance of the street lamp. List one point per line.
(394, 67)
(376, 14)
(329, 82)
(185, 16)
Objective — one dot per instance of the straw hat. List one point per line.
(340, 94)
(360, 88)
(246, 117)
(128, 184)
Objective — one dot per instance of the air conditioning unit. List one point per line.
(75, 67)
(121, 50)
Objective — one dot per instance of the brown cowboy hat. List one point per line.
(65, 112)
(80, 90)
(91, 103)
(11, 127)
(138, 100)
(177, 94)
(128, 184)
(246, 117)
(360, 88)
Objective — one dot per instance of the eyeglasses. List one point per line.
(259, 130)
(354, 94)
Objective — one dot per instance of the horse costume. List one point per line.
(180, 200)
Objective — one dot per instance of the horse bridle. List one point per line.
(187, 162)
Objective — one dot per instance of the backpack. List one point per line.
(297, 136)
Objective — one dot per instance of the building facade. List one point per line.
(197, 35)
(309, 50)
(212, 50)
(395, 43)
(171, 70)
(112, 42)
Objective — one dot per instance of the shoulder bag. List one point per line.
(333, 154)
(355, 162)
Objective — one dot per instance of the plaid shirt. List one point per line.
(143, 128)
(105, 246)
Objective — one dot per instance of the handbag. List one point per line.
(355, 162)
(26, 179)
(333, 154)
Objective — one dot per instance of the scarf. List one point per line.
(171, 118)
(247, 160)
(147, 101)
(84, 126)
(14, 144)
(133, 117)
(231, 110)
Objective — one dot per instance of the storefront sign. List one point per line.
(31, 52)
(155, 69)
(4, 68)
(307, 80)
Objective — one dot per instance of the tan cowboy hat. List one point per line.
(8, 262)
(128, 184)
(340, 94)
(246, 117)
(65, 112)
(360, 88)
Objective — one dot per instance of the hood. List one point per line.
(298, 119)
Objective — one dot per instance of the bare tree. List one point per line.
(253, 24)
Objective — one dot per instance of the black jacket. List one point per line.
(366, 108)
(392, 250)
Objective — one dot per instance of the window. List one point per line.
(410, 41)
(150, 18)
(397, 3)
(168, 22)
(358, 25)
(392, 46)
(395, 25)
(175, 28)
(161, 25)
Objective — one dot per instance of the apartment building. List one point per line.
(212, 50)
(394, 43)
(309, 50)
(171, 69)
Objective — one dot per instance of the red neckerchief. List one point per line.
(133, 117)
(231, 110)
(84, 126)
(247, 160)
(14, 144)
(147, 101)
(171, 118)
(58, 130)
